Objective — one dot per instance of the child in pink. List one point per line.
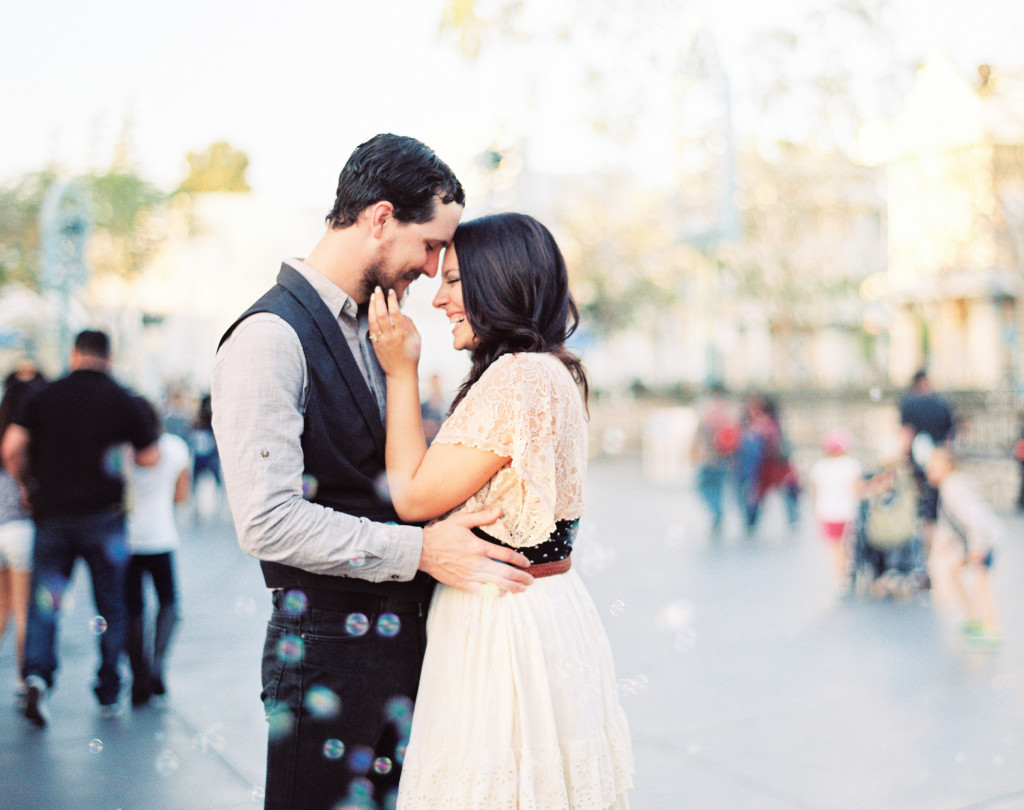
(835, 496)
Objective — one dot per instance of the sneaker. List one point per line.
(35, 701)
(110, 710)
(986, 637)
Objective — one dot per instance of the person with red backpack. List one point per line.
(714, 451)
(764, 461)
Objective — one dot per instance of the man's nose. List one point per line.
(430, 268)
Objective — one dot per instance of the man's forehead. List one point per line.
(442, 226)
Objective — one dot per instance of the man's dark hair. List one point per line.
(93, 343)
(401, 170)
(919, 377)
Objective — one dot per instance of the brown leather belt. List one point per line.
(549, 569)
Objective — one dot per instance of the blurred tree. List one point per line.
(819, 81)
(125, 230)
(220, 168)
(20, 203)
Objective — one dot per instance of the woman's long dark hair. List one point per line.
(515, 290)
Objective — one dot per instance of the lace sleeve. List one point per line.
(512, 411)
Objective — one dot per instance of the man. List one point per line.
(927, 421)
(298, 409)
(62, 449)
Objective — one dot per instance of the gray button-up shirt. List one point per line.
(260, 386)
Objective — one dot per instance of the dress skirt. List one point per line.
(517, 706)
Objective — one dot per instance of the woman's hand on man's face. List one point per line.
(395, 338)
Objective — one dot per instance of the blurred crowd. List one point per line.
(94, 471)
(894, 512)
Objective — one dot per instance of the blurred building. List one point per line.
(955, 203)
(221, 250)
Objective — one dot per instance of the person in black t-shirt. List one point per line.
(63, 448)
(928, 422)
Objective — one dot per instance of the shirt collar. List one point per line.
(337, 300)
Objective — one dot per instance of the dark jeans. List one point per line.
(147, 659)
(711, 480)
(160, 568)
(99, 539)
(338, 691)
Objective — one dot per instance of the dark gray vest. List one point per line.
(342, 436)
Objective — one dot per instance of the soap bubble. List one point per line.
(280, 720)
(361, 759)
(322, 702)
(245, 606)
(295, 602)
(290, 649)
(167, 762)
(676, 615)
(676, 535)
(334, 749)
(388, 625)
(613, 441)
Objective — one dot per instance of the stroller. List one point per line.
(887, 557)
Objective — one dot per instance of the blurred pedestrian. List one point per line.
(62, 449)
(206, 459)
(835, 481)
(715, 448)
(1018, 454)
(177, 413)
(433, 408)
(764, 461)
(16, 529)
(153, 493)
(969, 527)
(928, 422)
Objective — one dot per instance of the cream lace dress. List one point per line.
(517, 708)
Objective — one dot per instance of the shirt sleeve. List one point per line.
(258, 392)
(138, 431)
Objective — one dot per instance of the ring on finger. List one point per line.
(373, 337)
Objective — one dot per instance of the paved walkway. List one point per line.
(748, 684)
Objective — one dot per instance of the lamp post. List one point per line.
(65, 224)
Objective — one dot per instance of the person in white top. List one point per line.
(835, 496)
(517, 705)
(969, 528)
(153, 538)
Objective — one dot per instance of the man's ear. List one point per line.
(380, 213)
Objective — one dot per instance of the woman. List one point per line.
(16, 528)
(516, 704)
(153, 492)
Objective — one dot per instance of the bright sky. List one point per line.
(298, 85)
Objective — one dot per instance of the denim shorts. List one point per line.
(16, 544)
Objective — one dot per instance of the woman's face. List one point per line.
(449, 298)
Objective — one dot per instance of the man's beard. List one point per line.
(374, 275)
